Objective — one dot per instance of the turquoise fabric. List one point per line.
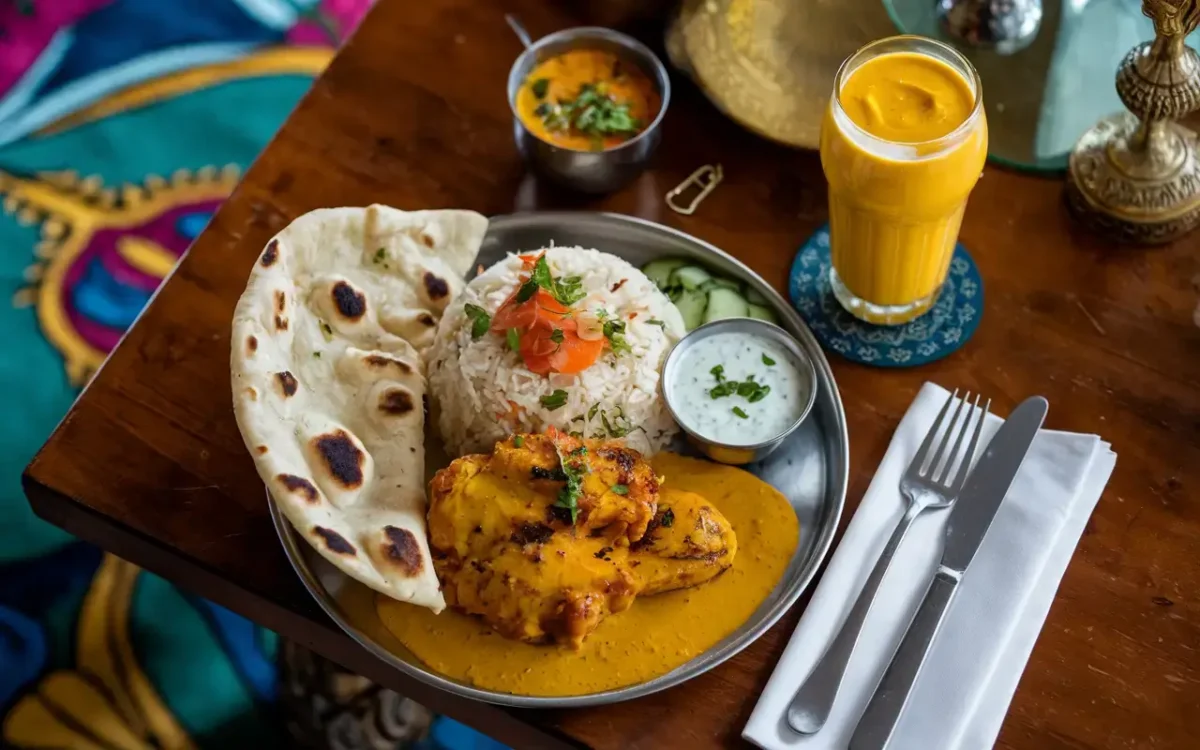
(33, 383)
(96, 209)
(82, 634)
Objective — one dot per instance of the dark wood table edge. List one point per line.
(128, 544)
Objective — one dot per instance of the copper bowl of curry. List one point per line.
(587, 103)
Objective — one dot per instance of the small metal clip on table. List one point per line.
(704, 180)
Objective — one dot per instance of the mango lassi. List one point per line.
(903, 142)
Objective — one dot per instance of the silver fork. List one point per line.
(929, 482)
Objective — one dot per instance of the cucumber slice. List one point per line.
(754, 298)
(690, 277)
(691, 306)
(659, 271)
(724, 283)
(725, 303)
(760, 312)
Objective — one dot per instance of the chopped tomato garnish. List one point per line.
(576, 355)
(539, 310)
(548, 333)
(544, 351)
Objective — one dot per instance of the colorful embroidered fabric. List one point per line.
(123, 124)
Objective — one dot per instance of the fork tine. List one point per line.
(947, 476)
(934, 472)
(964, 470)
(918, 461)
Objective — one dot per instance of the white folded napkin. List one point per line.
(973, 666)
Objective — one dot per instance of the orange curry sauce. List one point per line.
(545, 98)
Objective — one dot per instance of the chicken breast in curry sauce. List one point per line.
(550, 534)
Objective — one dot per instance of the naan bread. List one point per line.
(328, 381)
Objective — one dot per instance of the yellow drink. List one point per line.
(902, 145)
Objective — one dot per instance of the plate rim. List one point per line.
(709, 658)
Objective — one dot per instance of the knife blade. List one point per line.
(989, 481)
(969, 520)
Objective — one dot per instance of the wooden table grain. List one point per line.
(149, 463)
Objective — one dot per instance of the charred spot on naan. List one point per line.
(427, 240)
(342, 457)
(334, 541)
(381, 361)
(426, 319)
(251, 345)
(262, 449)
(396, 401)
(348, 301)
(281, 323)
(400, 549)
(436, 287)
(280, 301)
(271, 254)
(299, 486)
(287, 383)
(252, 394)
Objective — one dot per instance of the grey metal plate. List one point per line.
(810, 468)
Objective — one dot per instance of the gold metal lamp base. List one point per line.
(1120, 190)
(1135, 176)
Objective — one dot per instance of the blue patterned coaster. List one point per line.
(944, 329)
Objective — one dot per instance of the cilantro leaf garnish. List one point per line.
(514, 339)
(619, 426)
(594, 112)
(738, 411)
(614, 331)
(480, 320)
(555, 400)
(539, 87)
(527, 290)
(760, 394)
(541, 274)
(568, 496)
(620, 489)
(567, 291)
(768, 361)
(748, 389)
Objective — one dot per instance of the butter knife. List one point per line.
(969, 520)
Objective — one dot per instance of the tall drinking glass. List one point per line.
(902, 144)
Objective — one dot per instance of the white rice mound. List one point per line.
(472, 382)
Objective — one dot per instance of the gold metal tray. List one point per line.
(770, 64)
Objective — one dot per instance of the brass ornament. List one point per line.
(1136, 175)
(770, 64)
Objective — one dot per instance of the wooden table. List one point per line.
(149, 463)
